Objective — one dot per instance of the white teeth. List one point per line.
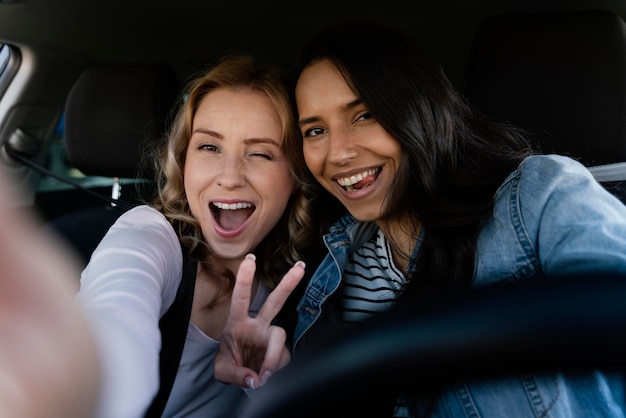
(349, 181)
(232, 206)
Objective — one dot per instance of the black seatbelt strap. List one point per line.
(173, 325)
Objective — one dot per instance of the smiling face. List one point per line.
(345, 148)
(237, 179)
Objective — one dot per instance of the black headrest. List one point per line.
(561, 76)
(112, 115)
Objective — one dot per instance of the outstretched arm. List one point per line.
(251, 349)
(48, 364)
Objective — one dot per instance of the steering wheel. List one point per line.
(564, 323)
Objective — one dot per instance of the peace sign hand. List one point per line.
(251, 349)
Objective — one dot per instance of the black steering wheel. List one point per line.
(564, 323)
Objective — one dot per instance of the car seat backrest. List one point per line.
(561, 76)
(112, 115)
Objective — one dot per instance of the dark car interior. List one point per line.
(559, 76)
(109, 74)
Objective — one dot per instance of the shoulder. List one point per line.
(547, 168)
(554, 189)
(144, 220)
(142, 214)
(540, 177)
(142, 230)
(141, 244)
(553, 163)
(558, 190)
(548, 212)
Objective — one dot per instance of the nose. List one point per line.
(231, 173)
(342, 147)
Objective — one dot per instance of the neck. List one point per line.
(221, 264)
(402, 240)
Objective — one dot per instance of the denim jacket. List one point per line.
(550, 217)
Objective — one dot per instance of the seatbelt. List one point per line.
(173, 325)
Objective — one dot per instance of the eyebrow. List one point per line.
(247, 141)
(347, 106)
(207, 132)
(261, 141)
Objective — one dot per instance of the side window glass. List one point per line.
(10, 59)
(4, 57)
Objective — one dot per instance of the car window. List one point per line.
(61, 173)
(9, 58)
(4, 57)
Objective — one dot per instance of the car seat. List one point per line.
(112, 115)
(560, 76)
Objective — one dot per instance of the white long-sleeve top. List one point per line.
(129, 283)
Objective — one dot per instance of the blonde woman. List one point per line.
(226, 189)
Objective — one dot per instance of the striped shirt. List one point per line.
(371, 282)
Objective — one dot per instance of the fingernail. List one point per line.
(265, 377)
(251, 256)
(250, 382)
(300, 263)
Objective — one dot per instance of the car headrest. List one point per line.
(114, 113)
(560, 76)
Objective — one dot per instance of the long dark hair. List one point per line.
(453, 159)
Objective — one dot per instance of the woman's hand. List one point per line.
(251, 349)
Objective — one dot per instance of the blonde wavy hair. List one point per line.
(288, 240)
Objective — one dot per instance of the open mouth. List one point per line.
(230, 216)
(359, 181)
